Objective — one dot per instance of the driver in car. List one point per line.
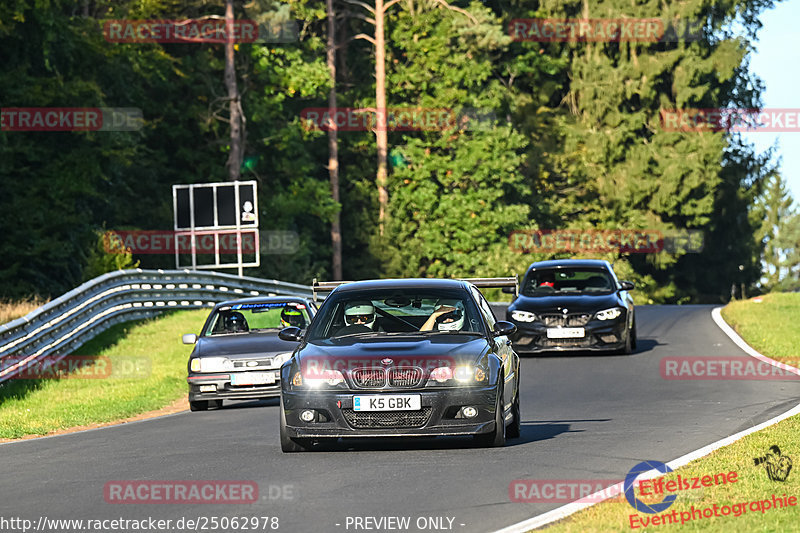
(357, 316)
(235, 323)
(448, 315)
(292, 316)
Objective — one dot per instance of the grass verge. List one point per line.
(137, 367)
(13, 309)
(770, 327)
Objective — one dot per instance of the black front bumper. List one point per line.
(224, 389)
(334, 415)
(600, 336)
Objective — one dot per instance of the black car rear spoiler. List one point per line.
(504, 283)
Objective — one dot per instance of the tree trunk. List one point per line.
(333, 147)
(381, 123)
(234, 163)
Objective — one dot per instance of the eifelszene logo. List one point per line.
(636, 503)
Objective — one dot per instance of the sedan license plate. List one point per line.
(252, 378)
(565, 333)
(406, 402)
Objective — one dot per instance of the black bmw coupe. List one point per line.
(573, 304)
(399, 358)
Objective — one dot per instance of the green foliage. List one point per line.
(107, 256)
(571, 138)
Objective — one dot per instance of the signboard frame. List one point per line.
(250, 225)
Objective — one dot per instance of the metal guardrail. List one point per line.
(58, 327)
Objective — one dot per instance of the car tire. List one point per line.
(496, 438)
(288, 444)
(635, 335)
(199, 405)
(515, 428)
(628, 349)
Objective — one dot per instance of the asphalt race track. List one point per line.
(584, 417)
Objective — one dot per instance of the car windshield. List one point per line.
(561, 281)
(244, 318)
(394, 312)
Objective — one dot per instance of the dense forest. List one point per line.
(568, 135)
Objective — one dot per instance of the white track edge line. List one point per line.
(611, 492)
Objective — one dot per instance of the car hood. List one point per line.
(449, 349)
(242, 345)
(574, 303)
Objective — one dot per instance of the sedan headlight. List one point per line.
(462, 374)
(321, 377)
(211, 364)
(523, 316)
(608, 314)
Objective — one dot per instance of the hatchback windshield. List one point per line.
(395, 312)
(567, 281)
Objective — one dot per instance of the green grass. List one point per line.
(770, 326)
(147, 372)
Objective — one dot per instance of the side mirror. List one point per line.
(189, 338)
(626, 286)
(502, 327)
(509, 290)
(291, 334)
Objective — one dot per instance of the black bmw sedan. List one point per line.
(399, 358)
(573, 304)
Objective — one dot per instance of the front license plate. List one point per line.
(253, 378)
(565, 333)
(406, 402)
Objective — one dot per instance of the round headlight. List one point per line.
(523, 316)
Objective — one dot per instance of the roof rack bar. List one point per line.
(495, 282)
(324, 286)
(328, 286)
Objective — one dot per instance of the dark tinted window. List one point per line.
(550, 281)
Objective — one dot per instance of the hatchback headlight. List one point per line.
(608, 314)
(523, 316)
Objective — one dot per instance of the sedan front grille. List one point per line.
(405, 376)
(384, 419)
(570, 320)
(369, 377)
(247, 364)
